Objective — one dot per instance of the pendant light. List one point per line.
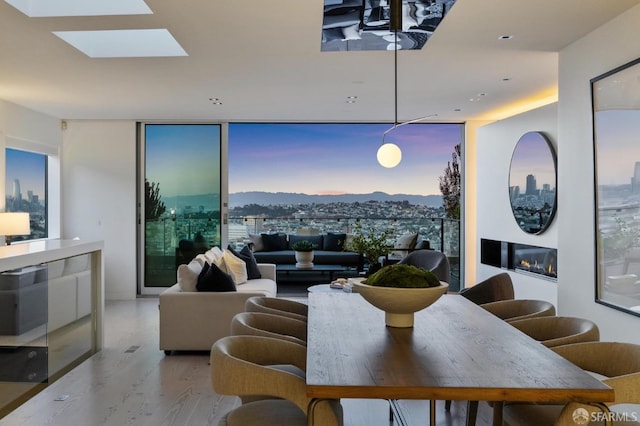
(389, 154)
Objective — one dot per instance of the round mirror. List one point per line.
(532, 183)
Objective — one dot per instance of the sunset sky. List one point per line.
(337, 158)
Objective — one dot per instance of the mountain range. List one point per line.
(209, 202)
(239, 199)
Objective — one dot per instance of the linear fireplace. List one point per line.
(541, 262)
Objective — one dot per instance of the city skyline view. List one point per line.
(29, 169)
(617, 145)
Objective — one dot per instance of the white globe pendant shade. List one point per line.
(389, 155)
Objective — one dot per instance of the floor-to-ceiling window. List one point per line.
(325, 177)
(180, 197)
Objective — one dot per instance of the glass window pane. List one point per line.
(182, 197)
(26, 189)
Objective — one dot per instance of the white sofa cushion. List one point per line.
(188, 275)
(266, 285)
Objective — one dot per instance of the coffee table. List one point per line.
(329, 269)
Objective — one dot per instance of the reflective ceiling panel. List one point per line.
(364, 24)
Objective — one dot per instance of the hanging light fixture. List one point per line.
(389, 154)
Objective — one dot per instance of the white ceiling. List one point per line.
(263, 61)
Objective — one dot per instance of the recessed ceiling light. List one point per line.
(352, 97)
(506, 79)
(457, 110)
(44, 8)
(482, 94)
(123, 43)
(505, 37)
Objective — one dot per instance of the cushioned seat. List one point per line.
(269, 325)
(243, 366)
(556, 331)
(277, 306)
(432, 260)
(516, 309)
(617, 364)
(493, 289)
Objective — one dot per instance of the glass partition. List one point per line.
(45, 325)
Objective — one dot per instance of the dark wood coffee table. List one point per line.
(329, 269)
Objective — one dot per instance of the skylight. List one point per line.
(123, 43)
(44, 8)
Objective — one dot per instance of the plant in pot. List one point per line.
(400, 291)
(371, 244)
(304, 253)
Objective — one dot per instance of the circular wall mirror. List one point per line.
(532, 183)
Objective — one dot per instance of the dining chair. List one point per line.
(241, 366)
(432, 260)
(493, 289)
(277, 306)
(550, 331)
(616, 364)
(557, 331)
(517, 309)
(269, 325)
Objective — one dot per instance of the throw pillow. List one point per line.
(235, 267)
(334, 242)
(274, 242)
(249, 260)
(214, 279)
(213, 254)
(404, 243)
(188, 275)
(256, 241)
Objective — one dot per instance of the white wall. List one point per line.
(604, 49)
(99, 197)
(28, 130)
(494, 147)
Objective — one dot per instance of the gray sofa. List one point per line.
(328, 249)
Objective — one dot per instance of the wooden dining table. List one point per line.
(455, 351)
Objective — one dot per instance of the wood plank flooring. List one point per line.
(132, 382)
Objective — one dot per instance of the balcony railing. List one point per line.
(164, 235)
(443, 234)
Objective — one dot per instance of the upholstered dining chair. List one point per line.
(556, 331)
(616, 364)
(277, 306)
(493, 289)
(432, 260)
(517, 309)
(241, 366)
(550, 331)
(269, 325)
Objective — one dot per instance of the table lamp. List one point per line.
(14, 224)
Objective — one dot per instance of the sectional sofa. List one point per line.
(329, 249)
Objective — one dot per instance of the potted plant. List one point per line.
(304, 253)
(400, 291)
(371, 244)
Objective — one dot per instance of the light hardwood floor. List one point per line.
(132, 382)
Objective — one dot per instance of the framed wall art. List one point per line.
(616, 134)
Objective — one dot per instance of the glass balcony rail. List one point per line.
(164, 236)
(443, 234)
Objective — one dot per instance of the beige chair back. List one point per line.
(517, 309)
(556, 331)
(277, 306)
(269, 325)
(242, 366)
(493, 289)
